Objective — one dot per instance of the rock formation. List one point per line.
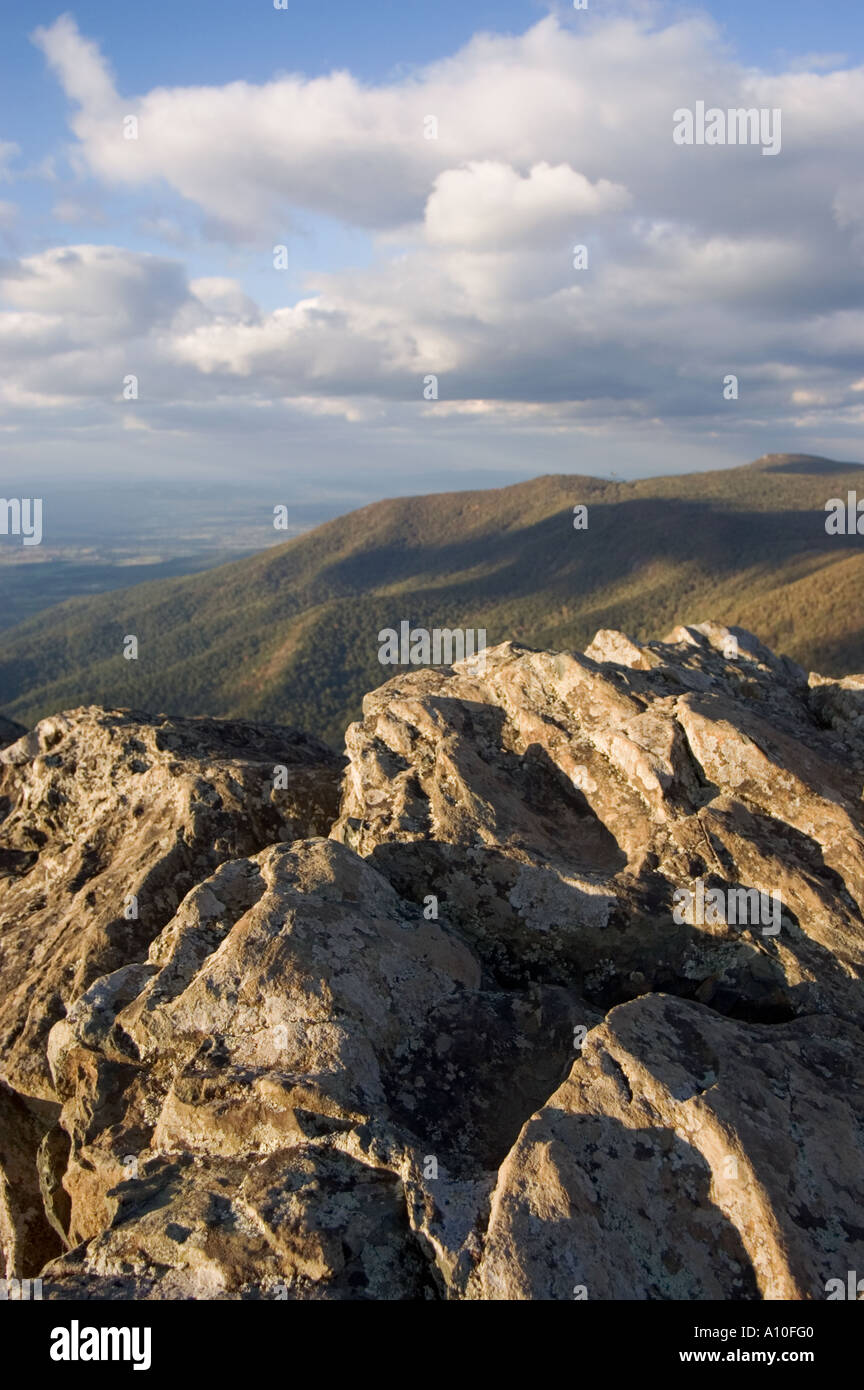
(554, 992)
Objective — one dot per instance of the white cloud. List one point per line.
(702, 261)
(597, 102)
(225, 298)
(79, 64)
(488, 205)
(120, 292)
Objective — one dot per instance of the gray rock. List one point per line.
(478, 1043)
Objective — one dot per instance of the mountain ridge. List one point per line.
(291, 634)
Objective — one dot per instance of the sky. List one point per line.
(335, 245)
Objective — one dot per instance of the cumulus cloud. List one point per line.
(80, 318)
(701, 261)
(486, 205)
(121, 292)
(79, 64)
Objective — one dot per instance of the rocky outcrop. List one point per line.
(686, 1156)
(27, 1237)
(563, 1000)
(110, 819)
(556, 805)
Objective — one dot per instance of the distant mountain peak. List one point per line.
(747, 544)
(800, 463)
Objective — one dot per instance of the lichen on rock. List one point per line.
(433, 1023)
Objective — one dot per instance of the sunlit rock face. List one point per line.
(554, 991)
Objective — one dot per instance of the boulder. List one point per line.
(110, 818)
(561, 1000)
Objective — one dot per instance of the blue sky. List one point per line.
(218, 41)
(222, 40)
(408, 256)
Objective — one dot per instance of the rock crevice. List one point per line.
(553, 990)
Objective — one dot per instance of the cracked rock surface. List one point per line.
(469, 1032)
